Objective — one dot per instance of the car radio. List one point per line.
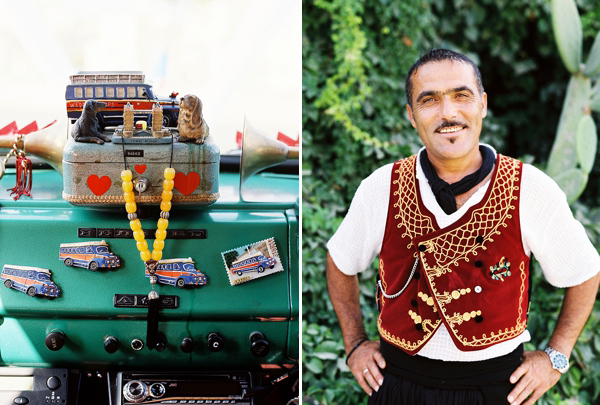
(186, 388)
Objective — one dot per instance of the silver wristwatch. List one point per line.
(559, 361)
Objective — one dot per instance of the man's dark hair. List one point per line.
(438, 55)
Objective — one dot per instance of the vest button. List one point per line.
(417, 276)
(479, 239)
(479, 319)
(479, 264)
(477, 289)
(419, 326)
(422, 247)
(413, 303)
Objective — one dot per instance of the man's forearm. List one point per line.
(344, 294)
(576, 308)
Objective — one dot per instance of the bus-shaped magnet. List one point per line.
(30, 280)
(252, 261)
(177, 272)
(90, 255)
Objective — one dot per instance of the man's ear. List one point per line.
(484, 105)
(412, 118)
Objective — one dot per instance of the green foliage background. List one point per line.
(355, 56)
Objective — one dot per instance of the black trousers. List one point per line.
(416, 380)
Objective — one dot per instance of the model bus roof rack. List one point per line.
(89, 243)
(167, 261)
(87, 77)
(27, 268)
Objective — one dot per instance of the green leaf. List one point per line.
(564, 155)
(327, 350)
(587, 141)
(315, 365)
(592, 65)
(595, 98)
(567, 32)
(572, 182)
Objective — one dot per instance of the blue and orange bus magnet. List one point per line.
(253, 261)
(177, 272)
(30, 280)
(90, 255)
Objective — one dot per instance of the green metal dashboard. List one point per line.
(86, 312)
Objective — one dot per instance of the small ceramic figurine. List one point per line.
(90, 255)
(30, 280)
(87, 128)
(190, 123)
(177, 272)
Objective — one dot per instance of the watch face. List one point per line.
(560, 361)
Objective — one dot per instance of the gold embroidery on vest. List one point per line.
(451, 247)
(409, 215)
(414, 223)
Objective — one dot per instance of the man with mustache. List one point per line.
(455, 227)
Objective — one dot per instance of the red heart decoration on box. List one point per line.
(140, 168)
(186, 183)
(98, 185)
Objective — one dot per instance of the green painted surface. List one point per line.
(31, 230)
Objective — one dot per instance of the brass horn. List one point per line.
(47, 144)
(259, 152)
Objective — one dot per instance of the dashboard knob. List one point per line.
(111, 344)
(187, 345)
(137, 344)
(214, 342)
(55, 340)
(259, 346)
(135, 391)
(161, 343)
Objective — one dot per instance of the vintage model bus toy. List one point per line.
(178, 272)
(257, 262)
(90, 255)
(116, 89)
(30, 280)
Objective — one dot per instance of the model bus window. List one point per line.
(110, 92)
(101, 249)
(88, 249)
(120, 92)
(142, 91)
(89, 92)
(43, 277)
(100, 92)
(30, 274)
(130, 92)
(78, 92)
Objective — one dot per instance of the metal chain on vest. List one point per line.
(412, 273)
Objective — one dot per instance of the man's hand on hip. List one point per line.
(365, 364)
(535, 376)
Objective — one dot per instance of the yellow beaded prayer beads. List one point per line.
(163, 222)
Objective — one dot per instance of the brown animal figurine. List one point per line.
(190, 123)
(87, 128)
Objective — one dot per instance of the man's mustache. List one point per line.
(450, 124)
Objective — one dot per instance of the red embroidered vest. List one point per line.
(473, 275)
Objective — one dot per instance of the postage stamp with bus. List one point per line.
(252, 261)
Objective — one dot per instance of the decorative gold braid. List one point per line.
(118, 199)
(414, 223)
(487, 221)
(383, 283)
(409, 214)
(402, 343)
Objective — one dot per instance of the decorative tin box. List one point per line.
(92, 172)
